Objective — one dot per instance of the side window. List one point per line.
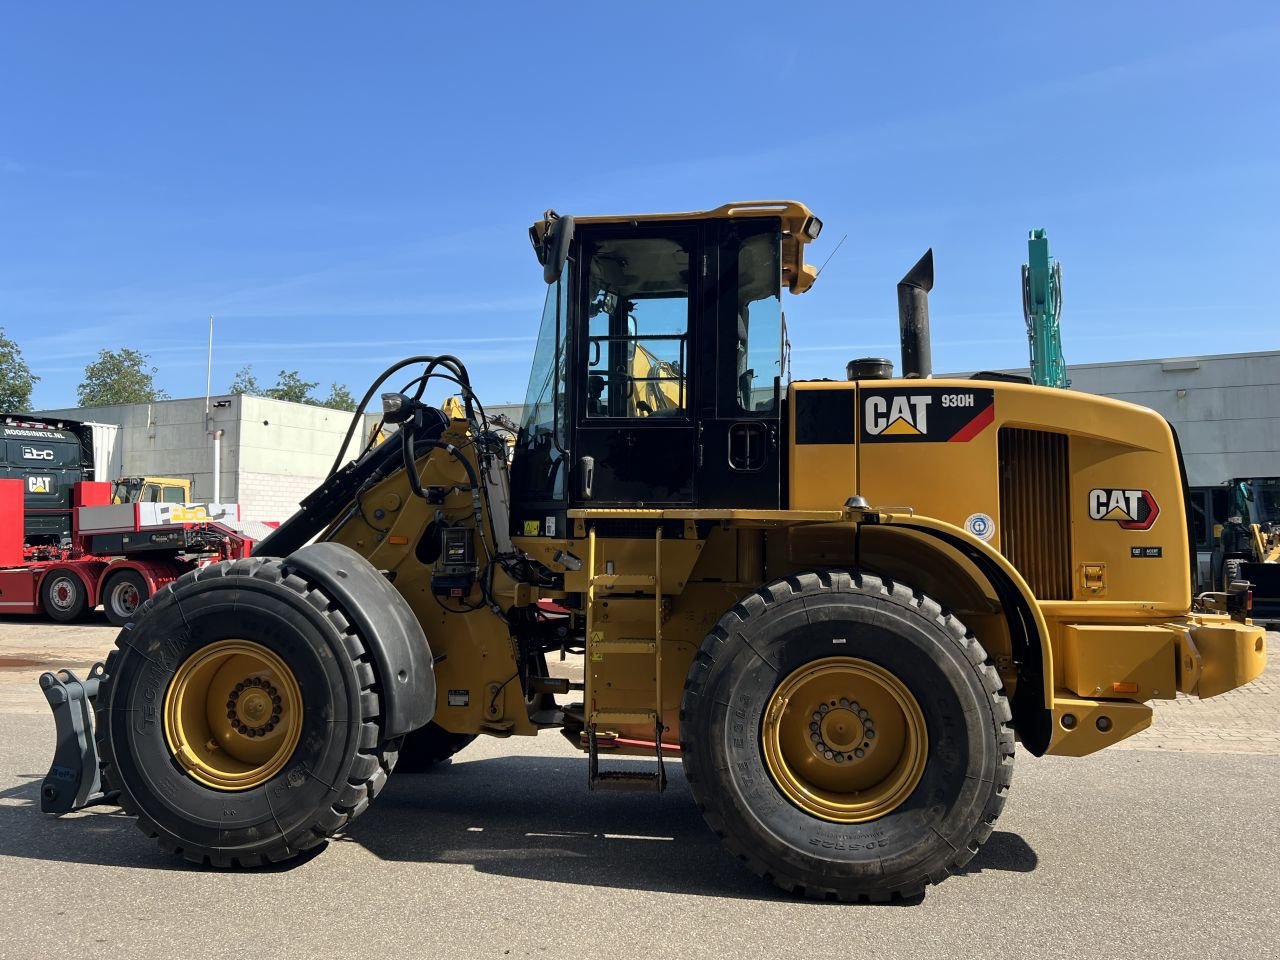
(1219, 506)
(174, 495)
(1199, 518)
(638, 328)
(759, 309)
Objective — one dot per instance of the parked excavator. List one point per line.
(837, 604)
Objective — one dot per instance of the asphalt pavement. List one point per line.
(1166, 849)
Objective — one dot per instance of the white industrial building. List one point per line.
(1225, 407)
(264, 454)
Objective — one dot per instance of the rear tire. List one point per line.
(322, 775)
(945, 757)
(64, 597)
(123, 593)
(428, 747)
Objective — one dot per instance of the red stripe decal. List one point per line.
(975, 426)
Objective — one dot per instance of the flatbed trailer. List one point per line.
(118, 556)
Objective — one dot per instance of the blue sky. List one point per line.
(345, 184)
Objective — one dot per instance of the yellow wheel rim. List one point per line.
(844, 740)
(233, 715)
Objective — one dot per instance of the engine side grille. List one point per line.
(1035, 509)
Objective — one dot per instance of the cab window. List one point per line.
(758, 353)
(638, 328)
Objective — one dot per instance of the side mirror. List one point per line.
(556, 247)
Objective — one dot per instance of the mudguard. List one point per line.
(387, 625)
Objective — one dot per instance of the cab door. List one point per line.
(635, 403)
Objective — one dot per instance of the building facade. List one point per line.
(1225, 407)
(264, 454)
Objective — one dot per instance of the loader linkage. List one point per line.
(74, 780)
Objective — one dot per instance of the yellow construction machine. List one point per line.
(836, 603)
(152, 490)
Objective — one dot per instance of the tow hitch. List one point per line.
(74, 780)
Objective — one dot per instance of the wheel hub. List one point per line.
(843, 732)
(844, 739)
(233, 714)
(126, 598)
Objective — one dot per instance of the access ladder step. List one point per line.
(607, 718)
(610, 580)
(627, 780)
(623, 646)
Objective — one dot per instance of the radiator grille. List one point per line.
(1035, 509)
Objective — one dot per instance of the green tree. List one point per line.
(122, 376)
(246, 382)
(16, 378)
(290, 386)
(339, 398)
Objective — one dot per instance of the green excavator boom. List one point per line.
(1042, 307)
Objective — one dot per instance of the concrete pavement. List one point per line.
(1159, 850)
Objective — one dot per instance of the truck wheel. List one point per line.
(63, 596)
(430, 745)
(846, 737)
(122, 594)
(240, 717)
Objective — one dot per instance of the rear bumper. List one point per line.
(1105, 674)
(1217, 654)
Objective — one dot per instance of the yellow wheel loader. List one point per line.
(837, 604)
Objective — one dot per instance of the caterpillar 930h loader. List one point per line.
(836, 603)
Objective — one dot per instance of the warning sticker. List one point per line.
(459, 698)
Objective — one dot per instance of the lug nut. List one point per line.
(859, 753)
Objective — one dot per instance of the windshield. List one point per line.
(126, 491)
(1265, 507)
(541, 442)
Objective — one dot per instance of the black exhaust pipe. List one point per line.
(913, 317)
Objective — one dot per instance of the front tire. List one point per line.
(240, 716)
(914, 752)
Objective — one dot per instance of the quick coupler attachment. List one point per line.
(74, 780)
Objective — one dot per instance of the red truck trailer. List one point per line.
(118, 555)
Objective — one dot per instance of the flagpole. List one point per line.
(208, 382)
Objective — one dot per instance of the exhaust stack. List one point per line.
(913, 318)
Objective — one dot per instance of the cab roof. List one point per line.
(799, 227)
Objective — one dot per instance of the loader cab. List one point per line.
(659, 372)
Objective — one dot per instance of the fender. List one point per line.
(1033, 698)
(387, 625)
(86, 573)
(157, 574)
